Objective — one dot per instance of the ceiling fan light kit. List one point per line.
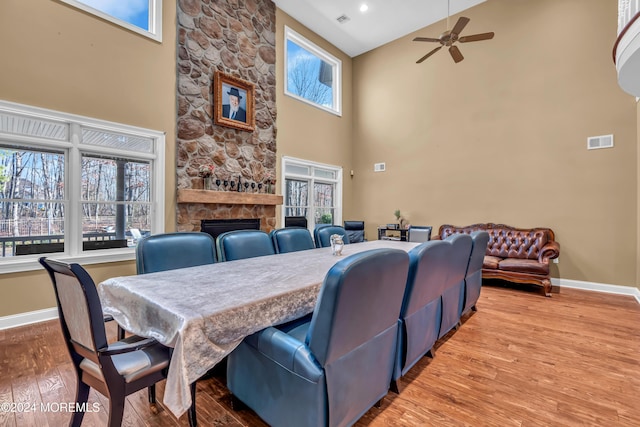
(450, 37)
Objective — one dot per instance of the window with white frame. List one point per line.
(311, 74)
(142, 16)
(312, 190)
(75, 187)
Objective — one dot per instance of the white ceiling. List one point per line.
(386, 20)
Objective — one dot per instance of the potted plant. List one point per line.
(399, 218)
(326, 219)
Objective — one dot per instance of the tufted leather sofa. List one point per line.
(517, 255)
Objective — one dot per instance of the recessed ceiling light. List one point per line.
(364, 7)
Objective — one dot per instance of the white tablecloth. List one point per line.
(204, 312)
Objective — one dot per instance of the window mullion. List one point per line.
(73, 221)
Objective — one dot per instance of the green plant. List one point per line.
(397, 214)
(326, 218)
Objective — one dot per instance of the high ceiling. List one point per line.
(384, 21)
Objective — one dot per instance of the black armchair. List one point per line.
(355, 231)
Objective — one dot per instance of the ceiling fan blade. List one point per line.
(462, 22)
(455, 54)
(428, 54)
(425, 39)
(476, 37)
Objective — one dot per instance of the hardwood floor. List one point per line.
(520, 360)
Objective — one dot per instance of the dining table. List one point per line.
(204, 312)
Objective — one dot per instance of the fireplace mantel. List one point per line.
(186, 195)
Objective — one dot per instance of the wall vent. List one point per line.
(379, 167)
(602, 141)
(342, 19)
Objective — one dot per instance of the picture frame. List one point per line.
(234, 102)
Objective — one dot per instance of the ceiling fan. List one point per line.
(449, 37)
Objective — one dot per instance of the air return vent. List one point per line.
(602, 141)
(342, 19)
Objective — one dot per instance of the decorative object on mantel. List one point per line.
(206, 172)
(233, 102)
(270, 184)
(188, 195)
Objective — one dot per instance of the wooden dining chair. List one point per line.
(117, 369)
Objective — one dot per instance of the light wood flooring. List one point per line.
(520, 360)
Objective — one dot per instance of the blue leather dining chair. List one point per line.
(421, 312)
(453, 294)
(322, 235)
(291, 239)
(168, 251)
(473, 277)
(116, 370)
(240, 244)
(329, 370)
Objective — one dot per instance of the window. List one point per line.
(82, 189)
(142, 16)
(312, 75)
(312, 190)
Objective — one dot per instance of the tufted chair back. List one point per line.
(291, 239)
(506, 241)
(240, 244)
(168, 251)
(322, 235)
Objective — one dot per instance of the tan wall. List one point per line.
(58, 57)
(501, 136)
(310, 133)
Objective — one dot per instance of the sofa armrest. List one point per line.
(549, 251)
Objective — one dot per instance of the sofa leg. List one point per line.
(547, 288)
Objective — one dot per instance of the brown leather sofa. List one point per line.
(517, 255)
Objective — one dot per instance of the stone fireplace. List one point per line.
(236, 37)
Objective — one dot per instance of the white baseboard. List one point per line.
(598, 287)
(23, 319)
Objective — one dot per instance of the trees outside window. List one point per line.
(312, 75)
(312, 190)
(74, 186)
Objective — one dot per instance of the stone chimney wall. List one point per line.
(236, 37)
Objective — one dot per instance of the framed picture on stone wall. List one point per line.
(234, 102)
